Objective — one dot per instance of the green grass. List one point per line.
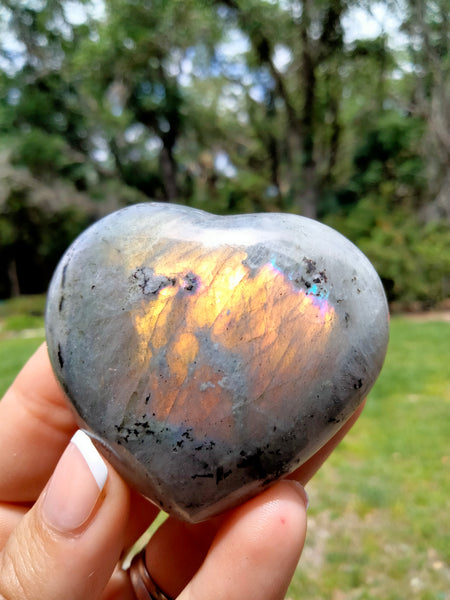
(21, 332)
(23, 305)
(379, 517)
(22, 316)
(13, 355)
(379, 520)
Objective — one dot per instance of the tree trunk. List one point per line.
(14, 285)
(310, 195)
(308, 201)
(168, 173)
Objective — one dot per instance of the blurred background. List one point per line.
(334, 109)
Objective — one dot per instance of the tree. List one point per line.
(428, 29)
(231, 106)
(131, 80)
(312, 33)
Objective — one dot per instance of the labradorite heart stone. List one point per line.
(208, 356)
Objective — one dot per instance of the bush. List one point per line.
(411, 257)
(41, 152)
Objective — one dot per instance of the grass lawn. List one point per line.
(13, 355)
(379, 524)
(379, 520)
(21, 332)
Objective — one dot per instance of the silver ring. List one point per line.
(143, 585)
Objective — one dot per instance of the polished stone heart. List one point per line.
(208, 356)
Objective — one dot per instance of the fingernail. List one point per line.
(75, 486)
(301, 490)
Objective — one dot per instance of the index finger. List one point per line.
(36, 424)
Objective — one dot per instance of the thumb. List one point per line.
(68, 544)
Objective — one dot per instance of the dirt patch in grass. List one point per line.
(424, 317)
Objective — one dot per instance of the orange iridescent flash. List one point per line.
(260, 316)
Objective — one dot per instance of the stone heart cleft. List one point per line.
(208, 356)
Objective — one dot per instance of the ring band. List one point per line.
(143, 585)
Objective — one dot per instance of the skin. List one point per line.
(248, 553)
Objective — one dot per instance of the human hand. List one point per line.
(64, 538)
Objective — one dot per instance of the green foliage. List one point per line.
(42, 153)
(389, 151)
(33, 239)
(231, 106)
(377, 212)
(412, 259)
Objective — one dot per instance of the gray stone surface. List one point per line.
(208, 356)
